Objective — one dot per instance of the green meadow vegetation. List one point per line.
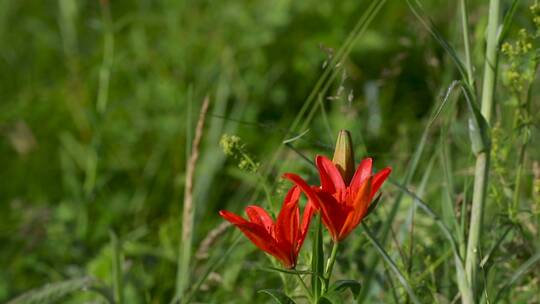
(126, 126)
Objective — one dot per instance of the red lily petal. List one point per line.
(331, 179)
(293, 195)
(333, 213)
(360, 205)
(310, 193)
(309, 211)
(232, 217)
(260, 217)
(312, 196)
(288, 221)
(378, 180)
(259, 237)
(362, 173)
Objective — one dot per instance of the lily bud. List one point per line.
(344, 156)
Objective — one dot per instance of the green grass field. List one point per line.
(111, 176)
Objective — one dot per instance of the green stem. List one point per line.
(517, 188)
(522, 110)
(491, 58)
(482, 158)
(260, 178)
(331, 262)
(465, 31)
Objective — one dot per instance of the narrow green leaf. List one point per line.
(330, 298)
(419, 12)
(478, 126)
(297, 137)
(447, 203)
(460, 268)
(54, 292)
(487, 259)
(374, 204)
(342, 285)
(518, 274)
(507, 22)
(326, 79)
(279, 296)
(117, 273)
(409, 173)
(401, 278)
(212, 265)
(279, 270)
(302, 155)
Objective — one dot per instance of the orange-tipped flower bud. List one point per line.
(344, 156)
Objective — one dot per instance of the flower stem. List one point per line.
(331, 262)
(515, 199)
(482, 158)
(465, 31)
(260, 178)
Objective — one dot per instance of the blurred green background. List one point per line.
(98, 105)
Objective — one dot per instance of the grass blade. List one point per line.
(518, 274)
(295, 138)
(286, 271)
(278, 296)
(507, 22)
(419, 12)
(464, 284)
(216, 261)
(487, 259)
(117, 273)
(482, 165)
(325, 80)
(401, 278)
(409, 173)
(55, 292)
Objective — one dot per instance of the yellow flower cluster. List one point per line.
(233, 147)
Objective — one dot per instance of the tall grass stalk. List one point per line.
(466, 44)
(326, 79)
(524, 137)
(412, 166)
(184, 257)
(391, 264)
(482, 158)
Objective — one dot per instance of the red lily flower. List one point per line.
(343, 205)
(281, 239)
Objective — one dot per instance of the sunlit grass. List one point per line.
(98, 113)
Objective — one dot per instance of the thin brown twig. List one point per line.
(187, 220)
(204, 249)
(189, 208)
